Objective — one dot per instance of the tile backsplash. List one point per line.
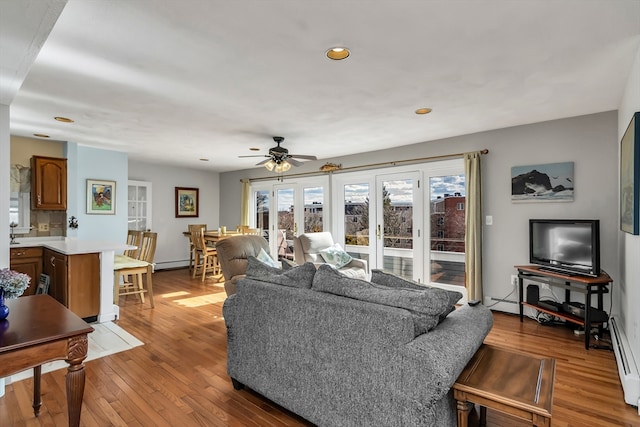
(56, 221)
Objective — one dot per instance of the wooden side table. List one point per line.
(38, 330)
(514, 383)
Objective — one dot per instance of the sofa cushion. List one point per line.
(392, 281)
(427, 306)
(335, 256)
(300, 276)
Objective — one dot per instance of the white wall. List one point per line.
(627, 289)
(172, 248)
(588, 141)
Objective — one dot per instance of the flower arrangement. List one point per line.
(13, 283)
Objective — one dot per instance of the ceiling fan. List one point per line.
(279, 159)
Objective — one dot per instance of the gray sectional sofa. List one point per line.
(344, 352)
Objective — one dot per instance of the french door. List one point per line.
(375, 219)
(285, 210)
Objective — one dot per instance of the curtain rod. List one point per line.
(364, 167)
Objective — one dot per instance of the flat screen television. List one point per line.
(566, 246)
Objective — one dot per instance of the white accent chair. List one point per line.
(307, 248)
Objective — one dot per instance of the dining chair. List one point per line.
(191, 246)
(205, 258)
(134, 238)
(125, 266)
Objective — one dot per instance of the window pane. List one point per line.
(447, 229)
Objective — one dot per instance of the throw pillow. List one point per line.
(392, 281)
(426, 306)
(265, 258)
(300, 276)
(335, 256)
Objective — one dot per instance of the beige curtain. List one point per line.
(473, 226)
(244, 203)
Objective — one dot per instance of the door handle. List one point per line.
(379, 233)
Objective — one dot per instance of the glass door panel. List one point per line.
(139, 205)
(447, 211)
(356, 220)
(262, 202)
(395, 225)
(286, 226)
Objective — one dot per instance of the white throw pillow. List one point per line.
(335, 256)
(265, 258)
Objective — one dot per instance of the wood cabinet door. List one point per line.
(48, 183)
(84, 284)
(29, 262)
(55, 265)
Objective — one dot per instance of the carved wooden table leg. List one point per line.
(76, 353)
(464, 408)
(37, 400)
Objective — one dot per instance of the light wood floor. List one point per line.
(178, 378)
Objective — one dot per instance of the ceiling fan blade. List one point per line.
(303, 157)
(263, 162)
(293, 162)
(256, 155)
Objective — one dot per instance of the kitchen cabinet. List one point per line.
(29, 262)
(74, 281)
(48, 183)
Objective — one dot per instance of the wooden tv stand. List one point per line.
(582, 284)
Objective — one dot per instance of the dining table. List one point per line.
(213, 236)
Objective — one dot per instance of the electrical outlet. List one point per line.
(43, 227)
(514, 280)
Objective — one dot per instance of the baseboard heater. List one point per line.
(627, 368)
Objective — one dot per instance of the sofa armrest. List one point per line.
(359, 263)
(441, 354)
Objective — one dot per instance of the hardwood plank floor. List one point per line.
(178, 377)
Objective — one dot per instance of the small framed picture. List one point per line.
(101, 197)
(187, 202)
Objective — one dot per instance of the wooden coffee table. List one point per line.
(39, 329)
(513, 383)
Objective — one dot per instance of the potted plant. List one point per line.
(12, 285)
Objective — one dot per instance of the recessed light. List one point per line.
(338, 53)
(423, 110)
(204, 160)
(254, 149)
(63, 119)
(41, 135)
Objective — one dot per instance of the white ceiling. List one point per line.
(173, 81)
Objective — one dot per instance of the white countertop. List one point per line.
(70, 246)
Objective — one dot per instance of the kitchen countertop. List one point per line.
(70, 246)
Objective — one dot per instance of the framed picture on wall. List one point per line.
(101, 197)
(630, 177)
(549, 182)
(187, 202)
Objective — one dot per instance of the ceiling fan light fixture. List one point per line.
(270, 165)
(282, 166)
(338, 53)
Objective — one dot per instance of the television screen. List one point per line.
(567, 246)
